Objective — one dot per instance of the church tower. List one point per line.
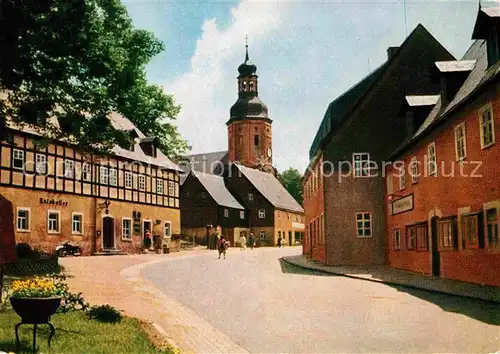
(249, 127)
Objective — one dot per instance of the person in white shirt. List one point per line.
(243, 242)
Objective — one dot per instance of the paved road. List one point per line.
(267, 306)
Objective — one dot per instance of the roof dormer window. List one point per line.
(149, 146)
(488, 27)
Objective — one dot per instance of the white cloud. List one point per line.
(207, 91)
(307, 53)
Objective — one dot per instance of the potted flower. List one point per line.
(35, 300)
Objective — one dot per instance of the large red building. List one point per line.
(443, 195)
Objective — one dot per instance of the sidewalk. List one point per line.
(118, 281)
(388, 275)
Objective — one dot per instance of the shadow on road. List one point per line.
(481, 310)
(291, 269)
(484, 311)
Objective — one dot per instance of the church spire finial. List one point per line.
(246, 48)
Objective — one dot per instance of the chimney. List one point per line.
(391, 51)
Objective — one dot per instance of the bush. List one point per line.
(105, 313)
(70, 301)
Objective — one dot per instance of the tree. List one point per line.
(291, 179)
(78, 61)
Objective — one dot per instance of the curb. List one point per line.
(410, 286)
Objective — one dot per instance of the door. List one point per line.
(108, 233)
(436, 258)
(290, 238)
(7, 238)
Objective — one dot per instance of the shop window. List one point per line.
(23, 219)
(492, 228)
(411, 236)
(77, 223)
(470, 236)
(364, 225)
(396, 241)
(422, 237)
(447, 234)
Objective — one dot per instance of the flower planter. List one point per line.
(34, 310)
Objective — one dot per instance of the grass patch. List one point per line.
(76, 333)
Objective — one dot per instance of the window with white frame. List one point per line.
(262, 235)
(126, 228)
(250, 196)
(142, 183)
(86, 172)
(159, 186)
(486, 126)
(171, 188)
(361, 162)
(402, 179)
(226, 213)
(41, 164)
(262, 213)
(364, 224)
(53, 222)
(77, 223)
(18, 159)
(23, 219)
(104, 175)
(128, 179)
(431, 159)
(460, 142)
(113, 177)
(414, 168)
(397, 239)
(242, 214)
(69, 169)
(168, 229)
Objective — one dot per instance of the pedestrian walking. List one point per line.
(279, 241)
(251, 241)
(243, 242)
(221, 246)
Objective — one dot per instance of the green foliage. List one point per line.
(70, 301)
(78, 61)
(105, 313)
(291, 179)
(36, 288)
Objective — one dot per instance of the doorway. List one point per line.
(290, 238)
(108, 233)
(436, 257)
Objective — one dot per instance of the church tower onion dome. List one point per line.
(248, 107)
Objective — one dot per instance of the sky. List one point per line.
(307, 53)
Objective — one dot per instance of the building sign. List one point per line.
(402, 205)
(297, 225)
(53, 202)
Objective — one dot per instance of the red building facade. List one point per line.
(443, 195)
(314, 206)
